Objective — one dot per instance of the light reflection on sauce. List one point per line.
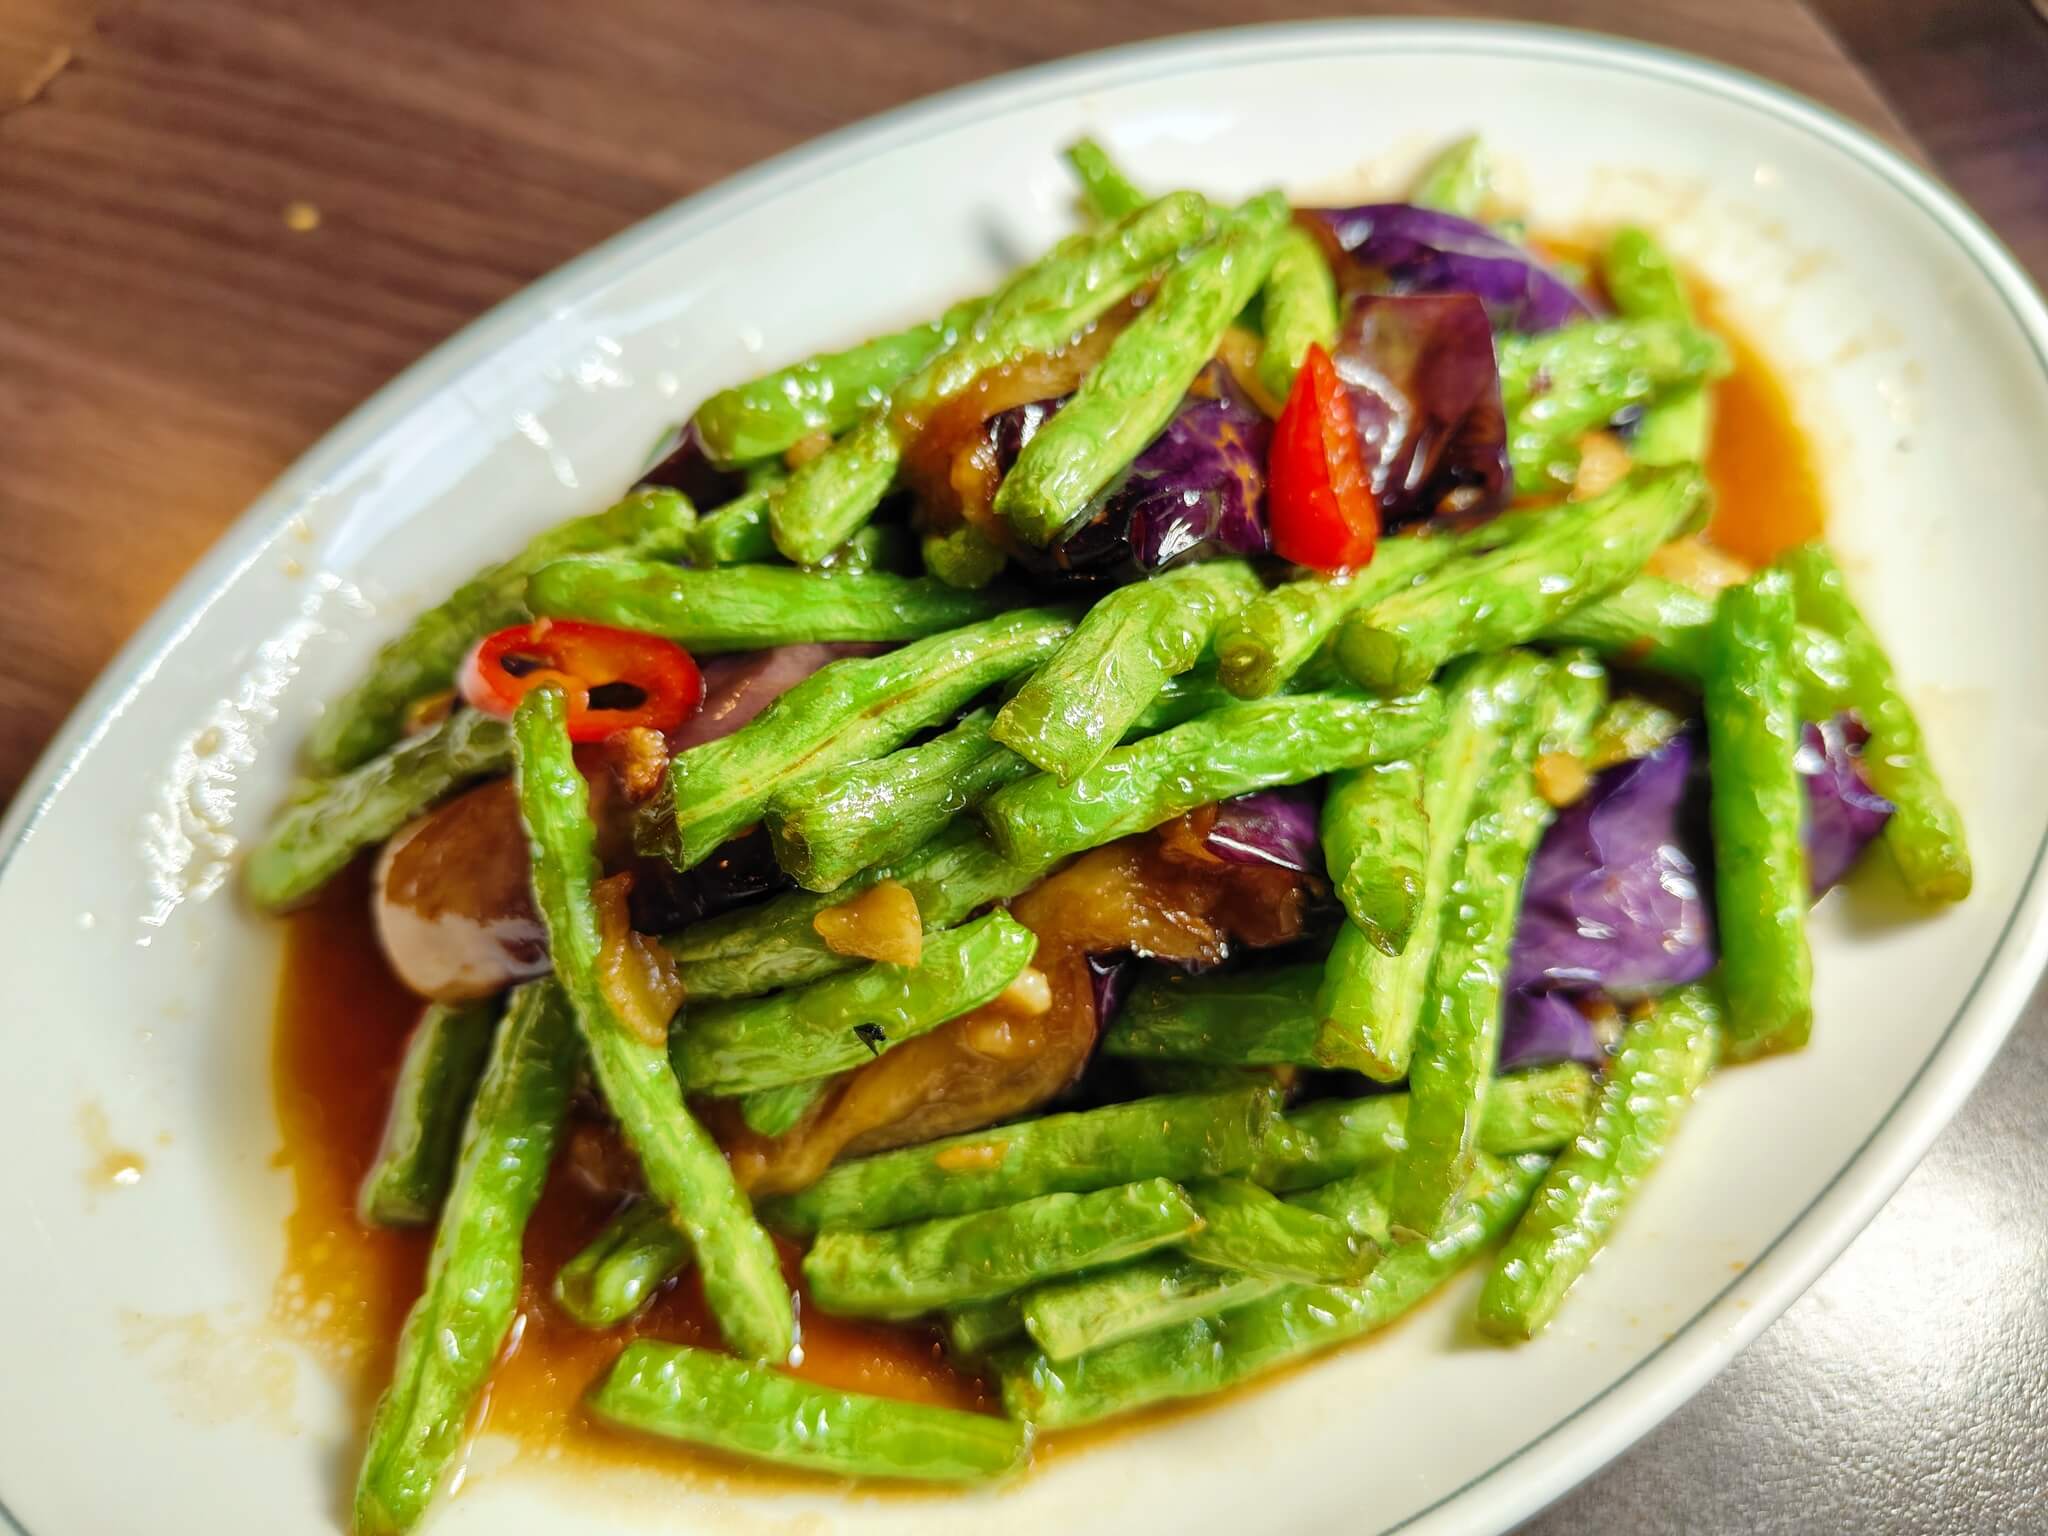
(343, 1019)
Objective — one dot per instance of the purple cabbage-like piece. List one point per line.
(1615, 897)
(1270, 826)
(1197, 489)
(1424, 250)
(1618, 896)
(1843, 813)
(1538, 1028)
(1425, 389)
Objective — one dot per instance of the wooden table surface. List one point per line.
(170, 339)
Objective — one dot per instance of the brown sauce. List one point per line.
(342, 1020)
(1767, 497)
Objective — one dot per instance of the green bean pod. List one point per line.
(857, 708)
(1249, 1018)
(1449, 1076)
(1105, 189)
(684, 1168)
(776, 944)
(1371, 1002)
(1128, 397)
(826, 393)
(1538, 1110)
(736, 533)
(1184, 1136)
(437, 1077)
(1458, 180)
(1237, 749)
(751, 607)
(1040, 308)
(1758, 808)
(1066, 1318)
(903, 1271)
(1298, 309)
(1558, 385)
(1375, 836)
(617, 1272)
(1207, 1354)
(1661, 1063)
(723, 1404)
(1269, 640)
(1658, 625)
(1517, 592)
(1084, 696)
(1925, 834)
(829, 828)
(1244, 1228)
(455, 1331)
(332, 820)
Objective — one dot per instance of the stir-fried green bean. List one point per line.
(1758, 807)
(455, 1330)
(684, 1168)
(1925, 834)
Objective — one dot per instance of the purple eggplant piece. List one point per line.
(740, 870)
(1843, 813)
(1615, 897)
(1425, 390)
(1109, 979)
(1538, 1028)
(1271, 826)
(1198, 488)
(1618, 896)
(1422, 250)
(739, 686)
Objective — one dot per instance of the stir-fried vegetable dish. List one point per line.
(1121, 835)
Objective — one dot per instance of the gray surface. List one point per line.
(1907, 1392)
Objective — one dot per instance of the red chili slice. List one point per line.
(1318, 503)
(615, 679)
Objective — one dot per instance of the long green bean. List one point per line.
(1184, 1136)
(1757, 807)
(683, 1166)
(332, 820)
(1925, 834)
(751, 607)
(824, 394)
(455, 1330)
(1662, 1061)
(437, 1077)
(713, 1400)
(1237, 749)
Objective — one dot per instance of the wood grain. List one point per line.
(168, 344)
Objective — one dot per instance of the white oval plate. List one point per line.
(135, 1320)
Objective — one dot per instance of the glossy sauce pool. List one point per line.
(342, 1020)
